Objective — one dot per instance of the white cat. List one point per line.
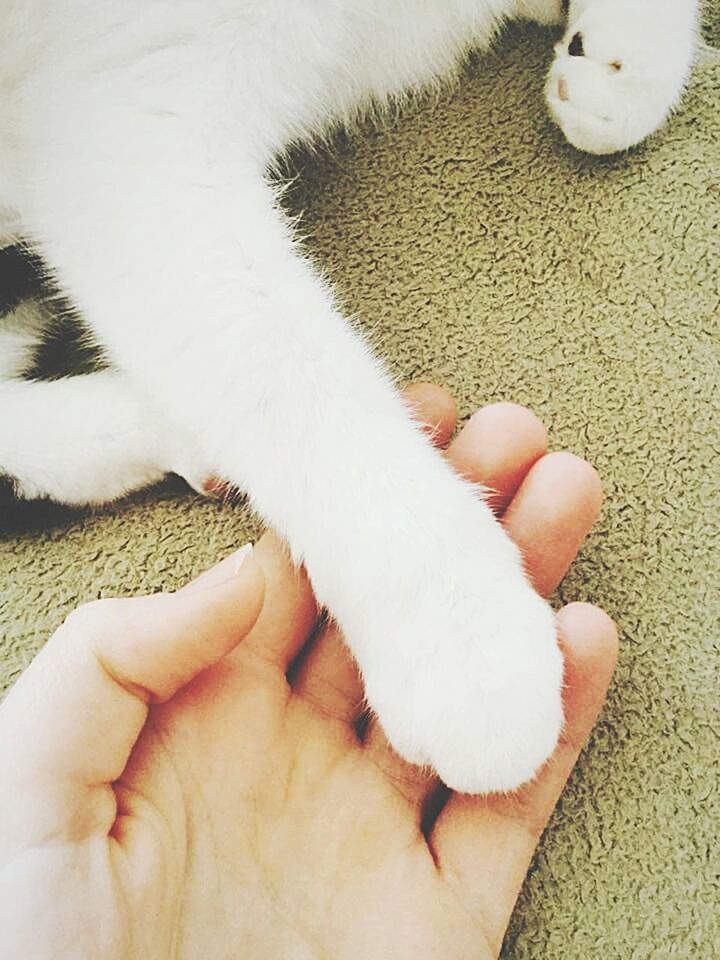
(135, 139)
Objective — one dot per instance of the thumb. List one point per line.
(69, 724)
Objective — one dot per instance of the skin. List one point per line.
(187, 779)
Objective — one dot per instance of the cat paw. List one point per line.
(470, 683)
(619, 70)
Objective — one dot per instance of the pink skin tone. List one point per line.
(223, 770)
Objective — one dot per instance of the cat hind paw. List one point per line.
(618, 73)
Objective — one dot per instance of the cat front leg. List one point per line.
(188, 274)
(620, 69)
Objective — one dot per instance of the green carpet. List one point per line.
(485, 254)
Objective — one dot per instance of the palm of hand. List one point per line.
(251, 818)
(292, 841)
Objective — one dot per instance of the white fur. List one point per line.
(20, 333)
(637, 58)
(135, 142)
(81, 440)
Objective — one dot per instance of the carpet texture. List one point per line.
(487, 255)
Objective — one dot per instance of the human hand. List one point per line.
(184, 775)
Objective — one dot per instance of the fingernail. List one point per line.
(226, 570)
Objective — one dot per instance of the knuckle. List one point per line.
(91, 617)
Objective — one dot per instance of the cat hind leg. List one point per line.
(620, 69)
(82, 440)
